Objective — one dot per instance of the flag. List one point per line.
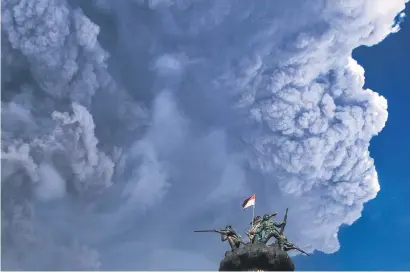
(249, 202)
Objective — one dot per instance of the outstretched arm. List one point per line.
(224, 237)
(279, 225)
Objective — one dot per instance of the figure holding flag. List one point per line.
(255, 233)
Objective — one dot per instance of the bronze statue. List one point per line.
(282, 241)
(261, 231)
(287, 246)
(227, 234)
(254, 233)
(269, 227)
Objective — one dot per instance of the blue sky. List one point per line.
(379, 240)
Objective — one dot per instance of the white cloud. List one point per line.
(200, 104)
(51, 185)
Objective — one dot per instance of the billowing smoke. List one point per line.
(128, 124)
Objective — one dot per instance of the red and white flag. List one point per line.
(249, 202)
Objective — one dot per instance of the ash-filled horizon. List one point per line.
(128, 124)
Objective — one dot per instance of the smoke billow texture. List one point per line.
(128, 124)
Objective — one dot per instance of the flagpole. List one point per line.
(253, 213)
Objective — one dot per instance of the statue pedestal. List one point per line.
(252, 257)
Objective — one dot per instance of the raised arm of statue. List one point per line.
(279, 225)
